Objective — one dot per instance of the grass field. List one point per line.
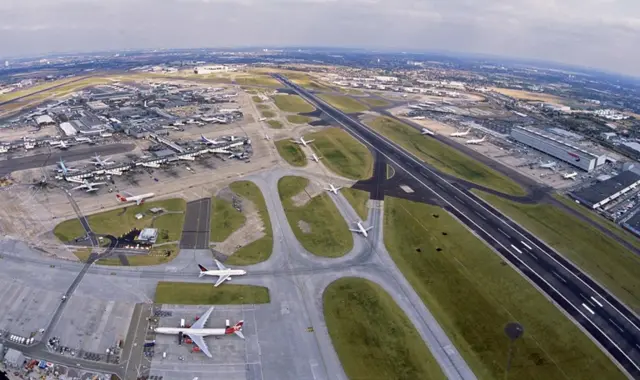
(224, 219)
(291, 152)
(65, 84)
(82, 254)
(526, 95)
(298, 119)
(344, 103)
(276, 124)
(350, 91)
(604, 222)
(325, 232)
(372, 336)
(259, 250)
(473, 294)
(358, 199)
(186, 293)
(609, 263)
(122, 220)
(342, 153)
(312, 84)
(268, 114)
(262, 107)
(256, 99)
(374, 102)
(257, 80)
(443, 157)
(293, 103)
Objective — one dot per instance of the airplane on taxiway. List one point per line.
(139, 199)
(333, 189)
(302, 141)
(223, 273)
(361, 229)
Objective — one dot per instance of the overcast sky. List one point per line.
(594, 33)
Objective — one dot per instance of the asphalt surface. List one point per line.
(606, 319)
(75, 153)
(197, 221)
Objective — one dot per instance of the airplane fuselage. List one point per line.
(190, 331)
(230, 272)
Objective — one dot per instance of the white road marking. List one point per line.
(616, 325)
(504, 233)
(516, 248)
(588, 309)
(559, 276)
(480, 215)
(459, 200)
(533, 255)
(401, 151)
(596, 301)
(525, 244)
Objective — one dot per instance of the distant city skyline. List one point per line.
(601, 34)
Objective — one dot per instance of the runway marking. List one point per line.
(533, 255)
(559, 276)
(525, 244)
(439, 185)
(504, 233)
(616, 325)
(596, 301)
(399, 150)
(588, 309)
(516, 248)
(459, 200)
(480, 215)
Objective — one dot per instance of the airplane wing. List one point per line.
(368, 228)
(92, 189)
(139, 201)
(221, 279)
(199, 324)
(79, 187)
(220, 265)
(128, 194)
(199, 341)
(354, 230)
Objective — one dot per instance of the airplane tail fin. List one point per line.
(121, 198)
(202, 270)
(235, 329)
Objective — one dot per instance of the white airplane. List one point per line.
(460, 134)
(186, 157)
(262, 119)
(266, 137)
(302, 141)
(209, 141)
(60, 144)
(139, 199)
(333, 189)
(425, 131)
(315, 158)
(548, 165)
(223, 273)
(570, 175)
(476, 141)
(197, 331)
(100, 162)
(361, 229)
(153, 165)
(89, 187)
(418, 118)
(62, 168)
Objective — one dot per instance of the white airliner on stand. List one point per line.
(361, 229)
(333, 189)
(198, 331)
(460, 134)
(139, 199)
(476, 141)
(223, 273)
(62, 168)
(302, 141)
(100, 162)
(426, 131)
(570, 175)
(89, 186)
(209, 141)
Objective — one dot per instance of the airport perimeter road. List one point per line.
(607, 320)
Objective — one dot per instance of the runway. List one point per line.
(195, 233)
(606, 319)
(76, 153)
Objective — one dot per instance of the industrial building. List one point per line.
(558, 148)
(598, 195)
(68, 129)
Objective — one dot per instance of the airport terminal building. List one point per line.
(558, 148)
(600, 194)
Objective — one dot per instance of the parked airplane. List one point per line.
(153, 165)
(262, 119)
(209, 141)
(460, 134)
(266, 137)
(572, 175)
(223, 273)
(315, 158)
(62, 168)
(418, 118)
(425, 131)
(100, 162)
(302, 141)
(89, 187)
(361, 229)
(139, 199)
(548, 165)
(333, 189)
(476, 141)
(198, 331)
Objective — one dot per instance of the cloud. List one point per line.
(598, 33)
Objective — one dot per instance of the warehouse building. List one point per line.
(558, 148)
(68, 129)
(598, 195)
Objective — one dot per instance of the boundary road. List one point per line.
(613, 326)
